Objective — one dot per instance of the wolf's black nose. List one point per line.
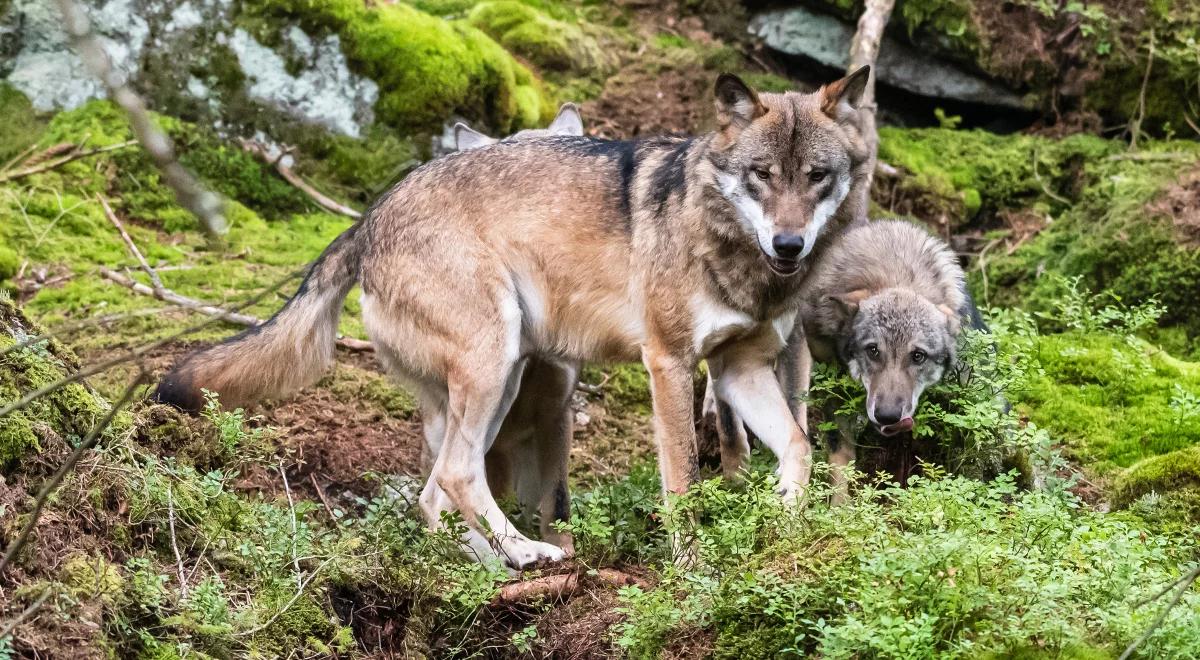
(885, 417)
(788, 246)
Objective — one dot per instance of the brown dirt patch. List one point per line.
(638, 101)
(1181, 202)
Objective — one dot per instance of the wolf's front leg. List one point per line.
(746, 380)
(674, 429)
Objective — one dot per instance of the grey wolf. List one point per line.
(573, 249)
(566, 122)
(886, 300)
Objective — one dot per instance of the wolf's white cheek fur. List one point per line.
(823, 213)
(750, 212)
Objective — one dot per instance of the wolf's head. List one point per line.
(567, 122)
(896, 343)
(787, 161)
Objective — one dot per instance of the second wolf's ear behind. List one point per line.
(953, 321)
(845, 96)
(737, 104)
(847, 303)
(466, 137)
(567, 121)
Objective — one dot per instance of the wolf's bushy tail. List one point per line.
(286, 353)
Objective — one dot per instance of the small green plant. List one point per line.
(236, 440)
(1079, 309)
(1185, 404)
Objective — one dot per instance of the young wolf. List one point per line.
(566, 122)
(886, 299)
(572, 249)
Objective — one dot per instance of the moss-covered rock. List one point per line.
(1113, 402)
(1177, 470)
(93, 578)
(1117, 239)
(546, 42)
(66, 414)
(953, 177)
(427, 68)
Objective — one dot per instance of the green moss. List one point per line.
(304, 619)
(1114, 403)
(1176, 470)
(89, 578)
(10, 263)
(962, 174)
(625, 387)
(351, 384)
(21, 126)
(427, 68)
(1116, 241)
(546, 42)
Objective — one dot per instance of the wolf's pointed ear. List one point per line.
(466, 137)
(845, 94)
(567, 121)
(953, 321)
(847, 303)
(737, 104)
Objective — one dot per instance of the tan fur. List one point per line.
(573, 249)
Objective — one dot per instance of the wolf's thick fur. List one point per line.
(887, 300)
(574, 249)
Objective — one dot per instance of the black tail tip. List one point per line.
(176, 389)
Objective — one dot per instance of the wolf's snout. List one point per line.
(788, 246)
(887, 417)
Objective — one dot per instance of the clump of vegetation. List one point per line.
(549, 43)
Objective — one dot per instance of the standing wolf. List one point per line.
(571, 249)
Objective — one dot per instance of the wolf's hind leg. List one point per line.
(551, 449)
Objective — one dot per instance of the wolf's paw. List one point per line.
(520, 553)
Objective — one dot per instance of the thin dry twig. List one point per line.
(26, 613)
(133, 248)
(292, 511)
(312, 476)
(1135, 124)
(208, 207)
(75, 154)
(1186, 581)
(169, 296)
(85, 445)
(275, 159)
(183, 586)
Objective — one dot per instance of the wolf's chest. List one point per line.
(714, 324)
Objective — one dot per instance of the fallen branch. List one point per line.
(183, 587)
(1186, 582)
(292, 511)
(275, 159)
(208, 207)
(562, 586)
(28, 612)
(84, 446)
(133, 248)
(321, 495)
(167, 295)
(45, 165)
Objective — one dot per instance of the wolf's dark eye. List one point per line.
(762, 174)
(872, 350)
(918, 357)
(817, 176)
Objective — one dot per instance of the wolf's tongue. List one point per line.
(901, 426)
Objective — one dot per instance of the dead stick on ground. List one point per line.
(167, 295)
(28, 612)
(276, 160)
(208, 207)
(560, 586)
(292, 511)
(133, 248)
(321, 495)
(13, 174)
(183, 587)
(88, 442)
(1186, 581)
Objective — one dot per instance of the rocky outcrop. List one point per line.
(825, 39)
